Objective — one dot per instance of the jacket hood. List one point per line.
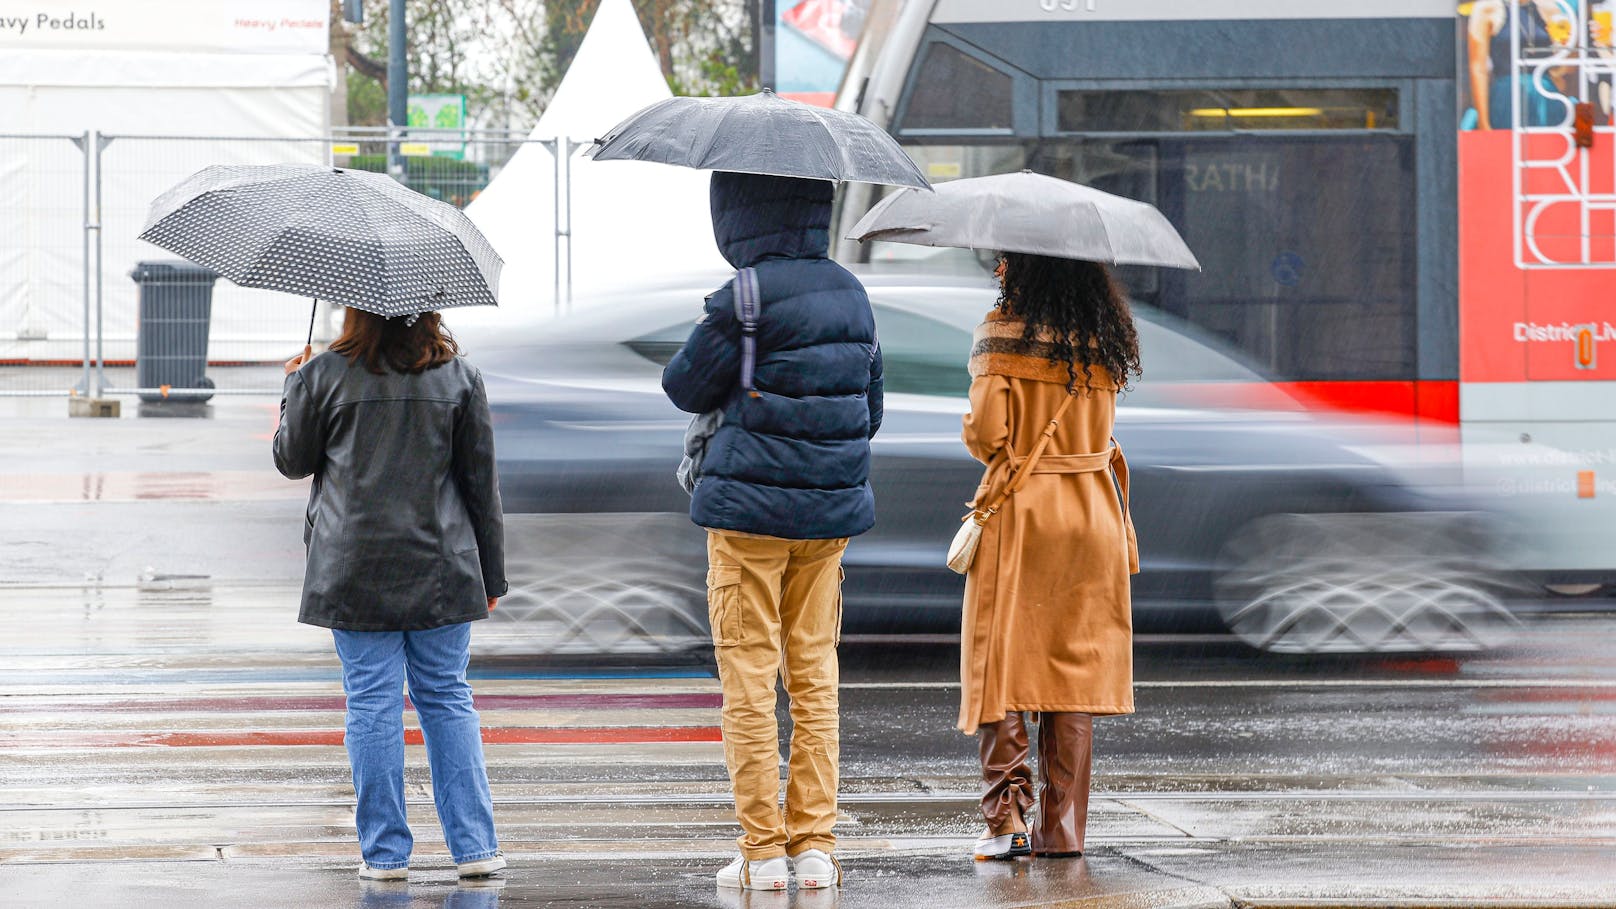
(756, 217)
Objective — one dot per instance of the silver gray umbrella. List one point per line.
(761, 134)
(1029, 213)
(345, 236)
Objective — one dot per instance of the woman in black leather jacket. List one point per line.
(405, 548)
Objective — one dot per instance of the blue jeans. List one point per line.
(375, 666)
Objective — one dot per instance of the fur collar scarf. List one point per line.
(999, 348)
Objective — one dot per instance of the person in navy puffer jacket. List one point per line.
(784, 483)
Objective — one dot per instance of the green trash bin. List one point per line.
(171, 343)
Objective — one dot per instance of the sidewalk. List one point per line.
(1206, 876)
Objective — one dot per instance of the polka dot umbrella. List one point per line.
(345, 236)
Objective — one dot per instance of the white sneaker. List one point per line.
(769, 874)
(817, 869)
(992, 848)
(482, 867)
(367, 873)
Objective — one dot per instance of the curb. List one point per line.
(1597, 901)
(1173, 898)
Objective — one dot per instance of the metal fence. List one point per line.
(45, 255)
(69, 306)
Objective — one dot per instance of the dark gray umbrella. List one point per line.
(1029, 213)
(761, 134)
(344, 236)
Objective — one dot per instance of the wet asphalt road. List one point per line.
(169, 736)
(181, 743)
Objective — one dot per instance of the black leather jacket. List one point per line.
(404, 528)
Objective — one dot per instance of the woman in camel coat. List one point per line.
(1047, 626)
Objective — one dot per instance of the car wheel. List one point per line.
(599, 584)
(1346, 583)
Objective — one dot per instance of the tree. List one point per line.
(508, 56)
(487, 50)
(705, 47)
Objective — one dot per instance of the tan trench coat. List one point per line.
(1047, 623)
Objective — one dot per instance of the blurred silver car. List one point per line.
(1252, 515)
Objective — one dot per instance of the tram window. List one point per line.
(1307, 241)
(1220, 110)
(1310, 250)
(957, 91)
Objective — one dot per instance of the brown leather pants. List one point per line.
(1065, 756)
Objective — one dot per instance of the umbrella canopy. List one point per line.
(1029, 213)
(346, 236)
(761, 134)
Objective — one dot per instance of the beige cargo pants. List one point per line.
(776, 612)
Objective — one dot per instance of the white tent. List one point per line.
(631, 221)
(182, 84)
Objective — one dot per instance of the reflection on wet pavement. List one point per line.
(116, 486)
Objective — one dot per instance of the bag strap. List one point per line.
(746, 312)
(1021, 472)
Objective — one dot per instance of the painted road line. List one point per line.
(1591, 684)
(28, 683)
(123, 725)
(43, 687)
(180, 675)
(337, 703)
(490, 674)
(496, 735)
(897, 799)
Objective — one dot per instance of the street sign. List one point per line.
(437, 111)
(440, 112)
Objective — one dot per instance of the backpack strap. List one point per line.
(746, 312)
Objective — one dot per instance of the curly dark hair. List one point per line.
(1085, 308)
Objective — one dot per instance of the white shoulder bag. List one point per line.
(962, 551)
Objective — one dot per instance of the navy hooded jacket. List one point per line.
(793, 461)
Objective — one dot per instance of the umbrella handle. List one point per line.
(315, 309)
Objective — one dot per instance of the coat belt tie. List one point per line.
(1075, 463)
(1111, 459)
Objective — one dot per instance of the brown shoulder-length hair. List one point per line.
(384, 344)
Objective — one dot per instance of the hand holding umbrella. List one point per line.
(296, 363)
